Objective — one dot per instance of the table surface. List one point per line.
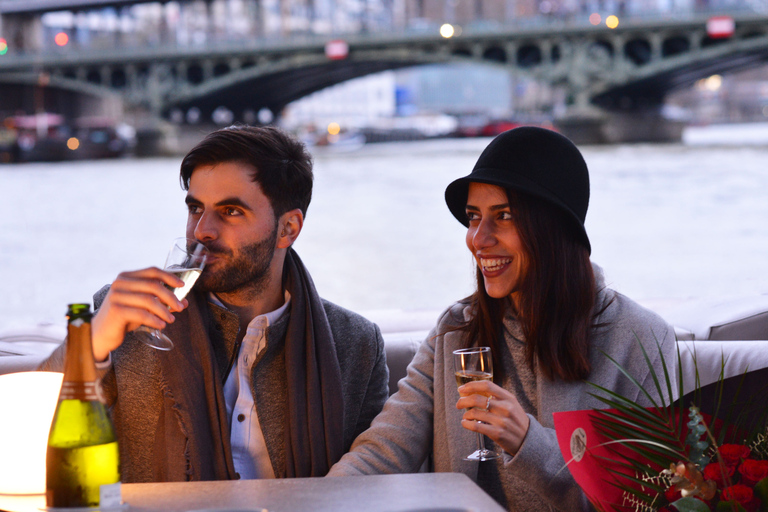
(420, 492)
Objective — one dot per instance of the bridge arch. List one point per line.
(631, 67)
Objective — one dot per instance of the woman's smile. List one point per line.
(493, 266)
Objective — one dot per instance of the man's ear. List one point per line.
(288, 228)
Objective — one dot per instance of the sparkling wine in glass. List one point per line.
(473, 364)
(186, 260)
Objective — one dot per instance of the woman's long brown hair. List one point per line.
(557, 295)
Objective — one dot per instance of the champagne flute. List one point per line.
(471, 364)
(186, 261)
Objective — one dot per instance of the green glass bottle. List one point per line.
(82, 447)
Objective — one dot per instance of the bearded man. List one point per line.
(266, 379)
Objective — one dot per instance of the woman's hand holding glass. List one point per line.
(504, 421)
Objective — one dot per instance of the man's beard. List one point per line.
(250, 270)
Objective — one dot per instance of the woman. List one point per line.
(548, 317)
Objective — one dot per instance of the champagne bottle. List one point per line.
(82, 447)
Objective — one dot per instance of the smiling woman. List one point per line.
(543, 309)
(494, 240)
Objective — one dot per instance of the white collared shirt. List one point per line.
(249, 450)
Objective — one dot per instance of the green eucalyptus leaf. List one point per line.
(729, 506)
(761, 491)
(689, 504)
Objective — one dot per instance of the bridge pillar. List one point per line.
(24, 32)
(598, 126)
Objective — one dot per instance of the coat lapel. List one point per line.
(268, 381)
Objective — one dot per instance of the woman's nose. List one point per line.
(484, 235)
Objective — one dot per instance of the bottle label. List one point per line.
(81, 391)
(110, 495)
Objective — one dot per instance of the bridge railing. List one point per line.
(183, 27)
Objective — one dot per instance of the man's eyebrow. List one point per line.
(229, 201)
(233, 201)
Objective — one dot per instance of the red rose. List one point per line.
(673, 494)
(743, 495)
(733, 453)
(752, 471)
(715, 473)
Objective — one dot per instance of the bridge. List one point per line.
(615, 80)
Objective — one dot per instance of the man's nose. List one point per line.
(205, 229)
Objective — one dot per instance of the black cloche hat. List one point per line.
(533, 161)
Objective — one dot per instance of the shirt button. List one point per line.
(241, 418)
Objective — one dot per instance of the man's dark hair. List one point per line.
(283, 165)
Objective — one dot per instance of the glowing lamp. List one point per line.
(447, 30)
(61, 39)
(27, 403)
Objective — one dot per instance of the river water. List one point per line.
(666, 222)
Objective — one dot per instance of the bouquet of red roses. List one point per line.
(707, 451)
(738, 480)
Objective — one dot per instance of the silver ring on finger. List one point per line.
(488, 404)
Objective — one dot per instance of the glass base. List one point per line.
(482, 455)
(153, 338)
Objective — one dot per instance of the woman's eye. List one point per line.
(505, 216)
(472, 216)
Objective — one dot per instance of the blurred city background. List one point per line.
(95, 78)
(668, 100)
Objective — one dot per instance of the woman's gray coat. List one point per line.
(421, 419)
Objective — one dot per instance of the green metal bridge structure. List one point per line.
(615, 80)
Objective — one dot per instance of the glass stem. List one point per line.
(480, 442)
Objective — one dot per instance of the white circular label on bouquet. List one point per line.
(578, 444)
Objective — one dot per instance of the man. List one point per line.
(266, 379)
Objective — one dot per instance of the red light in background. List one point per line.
(61, 38)
(3, 46)
(720, 27)
(336, 49)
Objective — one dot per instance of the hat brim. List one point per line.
(457, 191)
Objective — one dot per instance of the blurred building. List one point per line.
(352, 104)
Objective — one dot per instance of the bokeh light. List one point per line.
(595, 18)
(3, 46)
(334, 128)
(713, 83)
(612, 21)
(61, 38)
(73, 143)
(446, 30)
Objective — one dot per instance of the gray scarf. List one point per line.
(192, 440)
